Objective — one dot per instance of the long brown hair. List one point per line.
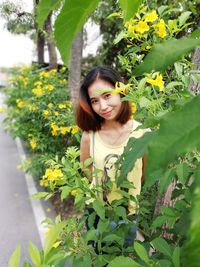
(86, 118)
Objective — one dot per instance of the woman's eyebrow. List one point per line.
(103, 91)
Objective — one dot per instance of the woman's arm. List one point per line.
(85, 153)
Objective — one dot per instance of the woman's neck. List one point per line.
(111, 124)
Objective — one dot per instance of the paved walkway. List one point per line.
(18, 220)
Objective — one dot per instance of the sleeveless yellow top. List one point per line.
(104, 157)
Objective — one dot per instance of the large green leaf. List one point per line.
(129, 8)
(141, 252)
(164, 54)
(15, 258)
(123, 261)
(161, 245)
(69, 22)
(44, 8)
(53, 235)
(191, 252)
(135, 149)
(34, 254)
(178, 134)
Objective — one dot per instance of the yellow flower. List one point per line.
(55, 129)
(2, 110)
(53, 71)
(150, 17)
(133, 107)
(131, 28)
(74, 129)
(69, 104)
(53, 174)
(44, 183)
(45, 113)
(142, 27)
(49, 87)
(121, 88)
(157, 82)
(50, 105)
(56, 113)
(38, 84)
(32, 107)
(37, 91)
(20, 103)
(74, 192)
(56, 244)
(23, 79)
(44, 74)
(63, 69)
(160, 29)
(63, 81)
(25, 68)
(65, 130)
(33, 143)
(61, 106)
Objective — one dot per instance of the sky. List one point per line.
(20, 50)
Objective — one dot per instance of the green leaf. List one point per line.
(139, 146)
(191, 252)
(34, 254)
(65, 190)
(121, 211)
(53, 235)
(158, 222)
(27, 264)
(178, 134)
(123, 261)
(195, 33)
(141, 252)
(129, 8)
(69, 22)
(113, 237)
(44, 8)
(99, 208)
(167, 52)
(176, 257)
(15, 258)
(161, 245)
(184, 17)
(40, 195)
(182, 171)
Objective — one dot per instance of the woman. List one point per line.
(107, 126)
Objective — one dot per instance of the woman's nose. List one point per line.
(103, 104)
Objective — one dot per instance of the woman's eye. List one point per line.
(93, 101)
(107, 95)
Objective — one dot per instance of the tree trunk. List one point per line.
(40, 47)
(75, 68)
(50, 43)
(195, 86)
(40, 38)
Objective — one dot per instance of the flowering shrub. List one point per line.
(40, 112)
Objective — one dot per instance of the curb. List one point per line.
(36, 205)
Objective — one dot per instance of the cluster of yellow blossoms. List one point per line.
(63, 130)
(121, 88)
(23, 80)
(22, 104)
(158, 81)
(51, 175)
(33, 143)
(39, 90)
(64, 105)
(139, 27)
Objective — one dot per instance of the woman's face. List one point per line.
(104, 103)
